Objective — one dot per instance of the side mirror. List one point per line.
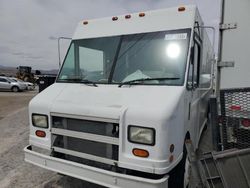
(189, 85)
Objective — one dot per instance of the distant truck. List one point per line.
(24, 73)
(131, 90)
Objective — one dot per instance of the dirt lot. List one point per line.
(11, 102)
(14, 172)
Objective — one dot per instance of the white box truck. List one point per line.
(131, 89)
(234, 48)
(233, 74)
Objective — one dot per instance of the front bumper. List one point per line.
(91, 174)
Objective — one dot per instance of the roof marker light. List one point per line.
(142, 14)
(128, 16)
(85, 22)
(115, 18)
(181, 9)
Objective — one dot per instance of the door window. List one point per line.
(3, 80)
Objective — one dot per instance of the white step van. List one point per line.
(131, 89)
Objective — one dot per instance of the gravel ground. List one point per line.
(10, 102)
(14, 172)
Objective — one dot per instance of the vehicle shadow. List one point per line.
(61, 181)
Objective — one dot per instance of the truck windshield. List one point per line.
(119, 59)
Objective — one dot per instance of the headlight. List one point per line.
(39, 120)
(141, 135)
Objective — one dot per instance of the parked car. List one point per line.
(8, 84)
(29, 85)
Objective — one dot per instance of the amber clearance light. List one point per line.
(114, 18)
(142, 14)
(85, 22)
(128, 16)
(181, 9)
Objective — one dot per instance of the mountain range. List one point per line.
(11, 71)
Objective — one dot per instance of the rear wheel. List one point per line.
(15, 89)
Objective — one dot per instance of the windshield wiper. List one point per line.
(137, 81)
(89, 82)
(84, 81)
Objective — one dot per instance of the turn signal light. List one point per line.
(140, 153)
(171, 158)
(40, 133)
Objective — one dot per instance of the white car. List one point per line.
(29, 85)
(8, 84)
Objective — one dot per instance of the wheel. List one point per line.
(180, 175)
(15, 89)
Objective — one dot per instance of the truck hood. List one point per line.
(106, 101)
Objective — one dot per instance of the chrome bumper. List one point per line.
(91, 174)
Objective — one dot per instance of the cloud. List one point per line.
(52, 38)
(29, 28)
(4, 49)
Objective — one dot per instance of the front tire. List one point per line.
(15, 89)
(180, 175)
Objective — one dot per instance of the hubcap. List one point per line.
(15, 89)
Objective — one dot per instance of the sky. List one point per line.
(29, 28)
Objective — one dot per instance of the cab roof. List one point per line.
(150, 21)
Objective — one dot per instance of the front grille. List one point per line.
(91, 141)
(235, 118)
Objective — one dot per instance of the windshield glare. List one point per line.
(118, 59)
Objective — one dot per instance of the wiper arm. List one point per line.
(78, 80)
(146, 79)
(89, 82)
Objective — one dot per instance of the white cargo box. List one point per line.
(236, 44)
